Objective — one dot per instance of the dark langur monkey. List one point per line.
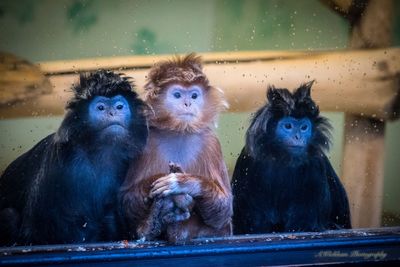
(283, 180)
(65, 189)
(184, 107)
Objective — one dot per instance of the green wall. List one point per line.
(43, 30)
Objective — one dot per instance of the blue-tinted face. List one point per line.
(294, 133)
(111, 115)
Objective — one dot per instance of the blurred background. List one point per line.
(46, 30)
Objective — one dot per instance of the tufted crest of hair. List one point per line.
(283, 103)
(185, 70)
(99, 83)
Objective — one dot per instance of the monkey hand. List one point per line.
(181, 210)
(174, 168)
(183, 201)
(175, 183)
(175, 208)
(176, 215)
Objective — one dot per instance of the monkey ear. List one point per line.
(272, 94)
(304, 91)
(279, 97)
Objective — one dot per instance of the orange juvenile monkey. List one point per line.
(192, 197)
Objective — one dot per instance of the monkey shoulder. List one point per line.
(210, 143)
(16, 180)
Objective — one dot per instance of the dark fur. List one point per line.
(275, 191)
(65, 188)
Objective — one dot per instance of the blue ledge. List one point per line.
(362, 246)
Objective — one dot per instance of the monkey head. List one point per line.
(290, 124)
(110, 116)
(104, 109)
(181, 97)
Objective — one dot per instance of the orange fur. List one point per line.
(198, 151)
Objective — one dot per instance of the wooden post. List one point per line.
(363, 156)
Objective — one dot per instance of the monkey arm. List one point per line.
(214, 203)
(135, 199)
(340, 203)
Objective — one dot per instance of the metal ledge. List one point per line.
(361, 246)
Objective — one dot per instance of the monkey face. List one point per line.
(185, 102)
(111, 116)
(294, 134)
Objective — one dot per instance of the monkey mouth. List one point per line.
(114, 127)
(187, 115)
(296, 146)
(296, 149)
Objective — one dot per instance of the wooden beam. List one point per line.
(359, 82)
(363, 155)
(20, 80)
(140, 62)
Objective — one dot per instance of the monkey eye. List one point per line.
(120, 106)
(304, 127)
(100, 107)
(177, 95)
(288, 126)
(194, 95)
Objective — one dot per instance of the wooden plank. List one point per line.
(363, 155)
(359, 82)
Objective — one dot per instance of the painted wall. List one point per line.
(43, 30)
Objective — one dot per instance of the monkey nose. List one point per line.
(188, 104)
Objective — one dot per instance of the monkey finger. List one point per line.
(158, 191)
(169, 177)
(167, 192)
(173, 217)
(159, 186)
(185, 215)
(174, 186)
(182, 201)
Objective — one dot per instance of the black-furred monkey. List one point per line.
(64, 189)
(283, 181)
